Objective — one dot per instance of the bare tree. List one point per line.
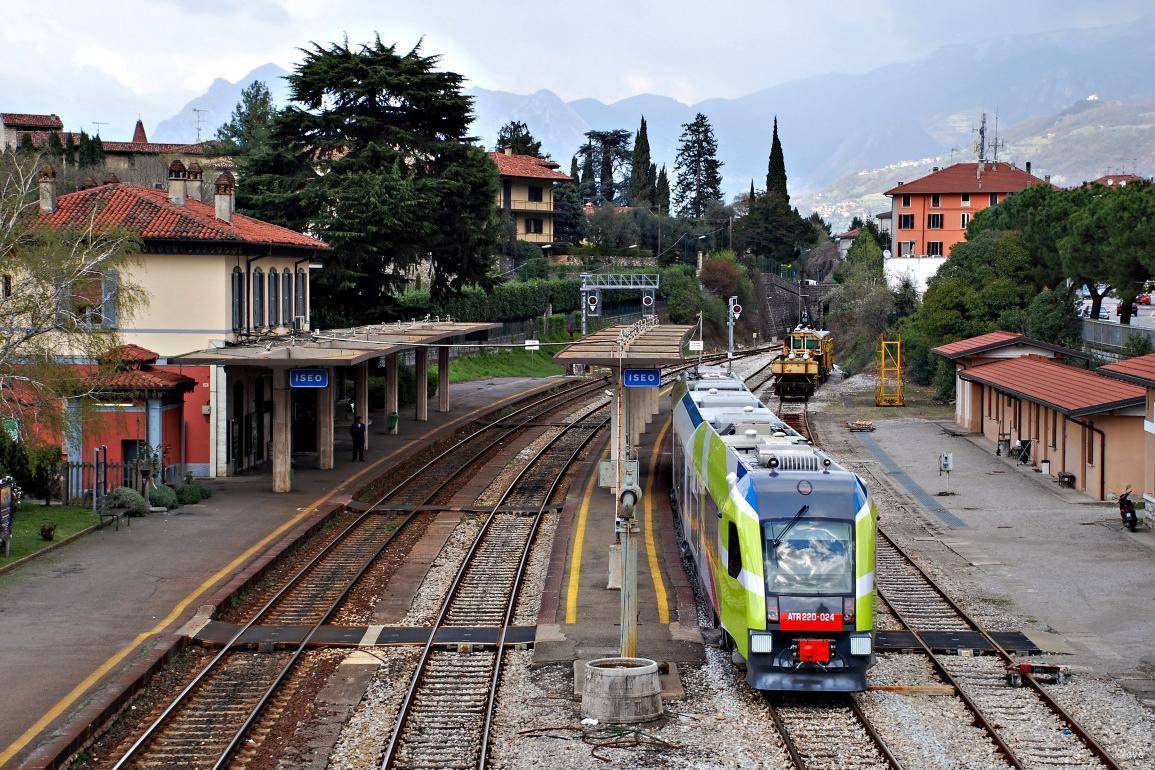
(64, 291)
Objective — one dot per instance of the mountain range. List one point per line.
(907, 116)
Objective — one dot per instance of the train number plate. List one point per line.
(811, 621)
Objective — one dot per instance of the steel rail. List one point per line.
(1093, 745)
(415, 682)
(152, 731)
(879, 743)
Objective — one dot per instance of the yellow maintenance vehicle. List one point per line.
(805, 363)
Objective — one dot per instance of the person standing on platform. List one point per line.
(357, 432)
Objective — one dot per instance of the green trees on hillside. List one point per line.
(248, 128)
(373, 155)
(515, 137)
(605, 165)
(771, 228)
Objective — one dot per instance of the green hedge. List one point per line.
(604, 251)
(513, 301)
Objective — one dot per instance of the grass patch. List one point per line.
(26, 522)
(919, 399)
(504, 363)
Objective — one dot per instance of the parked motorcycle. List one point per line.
(1127, 511)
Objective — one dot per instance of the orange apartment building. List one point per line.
(930, 215)
(1141, 371)
(1071, 423)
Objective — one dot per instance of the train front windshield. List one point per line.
(814, 558)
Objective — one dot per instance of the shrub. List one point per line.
(129, 499)
(189, 494)
(163, 496)
(205, 490)
(1137, 344)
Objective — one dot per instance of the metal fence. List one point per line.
(78, 480)
(1111, 337)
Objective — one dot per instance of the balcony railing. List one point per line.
(518, 205)
(535, 237)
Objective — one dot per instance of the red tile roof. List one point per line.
(24, 120)
(979, 344)
(964, 178)
(527, 166)
(848, 235)
(152, 148)
(131, 354)
(1068, 389)
(1110, 180)
(1140, 370)
(151, 215)
(143, 379)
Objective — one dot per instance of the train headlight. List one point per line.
(860, 644)
(772, 609)
(761, 643)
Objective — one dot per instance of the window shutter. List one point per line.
(110, 289)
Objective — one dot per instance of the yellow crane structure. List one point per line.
(889, 373)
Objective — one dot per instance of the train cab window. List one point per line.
(814, 558)
(733, 551)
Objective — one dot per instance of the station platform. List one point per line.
(579, 615)
(83, 621)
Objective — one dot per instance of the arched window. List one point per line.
(238, 296)
(274, 298)
(287, 297)
(259, 298)
(299, 307)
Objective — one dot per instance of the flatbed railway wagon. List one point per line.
(780, 536)
(805, 364)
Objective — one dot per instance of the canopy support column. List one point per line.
(325, 418)
(421, 382)
(391, 392)
(443, 379)
(282, 444)
(361, 397)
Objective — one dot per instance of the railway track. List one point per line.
(1026, 725)
(829, 733)
(206, 724)
(796, 414)
(445, 718)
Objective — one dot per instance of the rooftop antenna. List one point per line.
(997, 145)
(197, 120)
(98, 124)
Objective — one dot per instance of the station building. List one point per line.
(1081, 427)
(1141, 371)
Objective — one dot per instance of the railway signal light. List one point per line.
(735, 308)
(647, 300)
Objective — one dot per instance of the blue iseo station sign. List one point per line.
(308, 378)
(642, 378)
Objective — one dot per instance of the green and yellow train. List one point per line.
(781, 538)
(806, 363)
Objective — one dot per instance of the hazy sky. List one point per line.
(110, 61)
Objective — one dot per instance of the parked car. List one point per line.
(1085, 311)
(1134, 309)
(1143, 299)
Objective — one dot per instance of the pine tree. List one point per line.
(604, 155)
(776, 169)
(641, 179)
(515, 136)
(248, 127)
(662, 192)
(698, 169)
(373, 155)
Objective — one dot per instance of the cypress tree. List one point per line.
(574, 173)
(97, 151)
(83, 150)
(662, 195)
(55, 148)
(69, 150)
(587, 183)
(653, 195)
(641, 183)
(776, 170)
(26, 146)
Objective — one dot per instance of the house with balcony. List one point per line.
(931, 214)
(526, 194)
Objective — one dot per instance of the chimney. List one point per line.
(1028, 167)
(1047, 179)
(177, 176)
(193, 185)
(509, 151)
(47, 189)
(111, 178)
(138, 135)
(224, 199)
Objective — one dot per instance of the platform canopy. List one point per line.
(335, 347)
(642, 345)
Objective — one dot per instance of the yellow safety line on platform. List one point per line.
(575, 563)
(651, 550)
(74, 694)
